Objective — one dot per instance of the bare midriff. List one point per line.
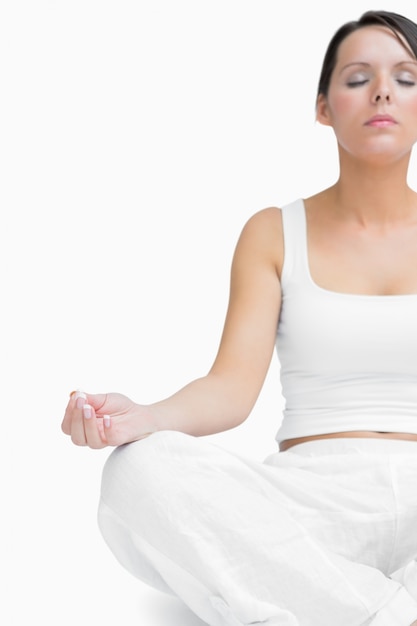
(288, 443)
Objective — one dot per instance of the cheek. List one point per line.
(341, 104)
(407, 106)
(413, 107)
(413, 115)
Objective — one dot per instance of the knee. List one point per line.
(141, 467)
(143, 455)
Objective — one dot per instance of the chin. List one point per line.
(379, 153)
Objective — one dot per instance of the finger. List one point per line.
(94, 439)
(108, 435)
(76, 418)
(97, 401)
(66, 424)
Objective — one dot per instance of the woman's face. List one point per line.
(372, 99)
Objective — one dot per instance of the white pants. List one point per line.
(324, 534)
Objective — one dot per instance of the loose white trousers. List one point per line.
(324, 534)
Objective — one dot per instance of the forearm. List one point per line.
(205, 406)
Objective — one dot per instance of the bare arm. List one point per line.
(225, 396)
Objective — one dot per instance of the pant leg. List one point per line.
(407, 576)
(213, 528)
(402, 567)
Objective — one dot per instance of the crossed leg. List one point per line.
(223, 534)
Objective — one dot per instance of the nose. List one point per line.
(382, 92)
(382, 97)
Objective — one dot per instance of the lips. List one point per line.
(381, 121)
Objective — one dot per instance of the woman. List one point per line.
(324, 532)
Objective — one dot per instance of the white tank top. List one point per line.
(348, 362)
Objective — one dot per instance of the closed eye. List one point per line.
(357, 83)
(407, 83)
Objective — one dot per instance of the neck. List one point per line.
(375, 194)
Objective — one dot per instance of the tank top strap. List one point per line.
(295, 267)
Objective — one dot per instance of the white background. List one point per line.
(137, 137)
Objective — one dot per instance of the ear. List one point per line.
(322, 111)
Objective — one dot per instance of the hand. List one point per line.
(102, 420)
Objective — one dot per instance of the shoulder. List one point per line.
(265, 224)
(262, 237)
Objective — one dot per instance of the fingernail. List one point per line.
(80, 399)
(87, 411)
(107, 421)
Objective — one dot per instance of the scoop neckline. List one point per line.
(342, 294)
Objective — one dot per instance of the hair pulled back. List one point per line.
(402, 27)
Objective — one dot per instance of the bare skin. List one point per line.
(362, 239)
(362, 236)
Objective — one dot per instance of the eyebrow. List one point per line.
(363, 64)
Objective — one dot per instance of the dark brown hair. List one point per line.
(401, 26)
